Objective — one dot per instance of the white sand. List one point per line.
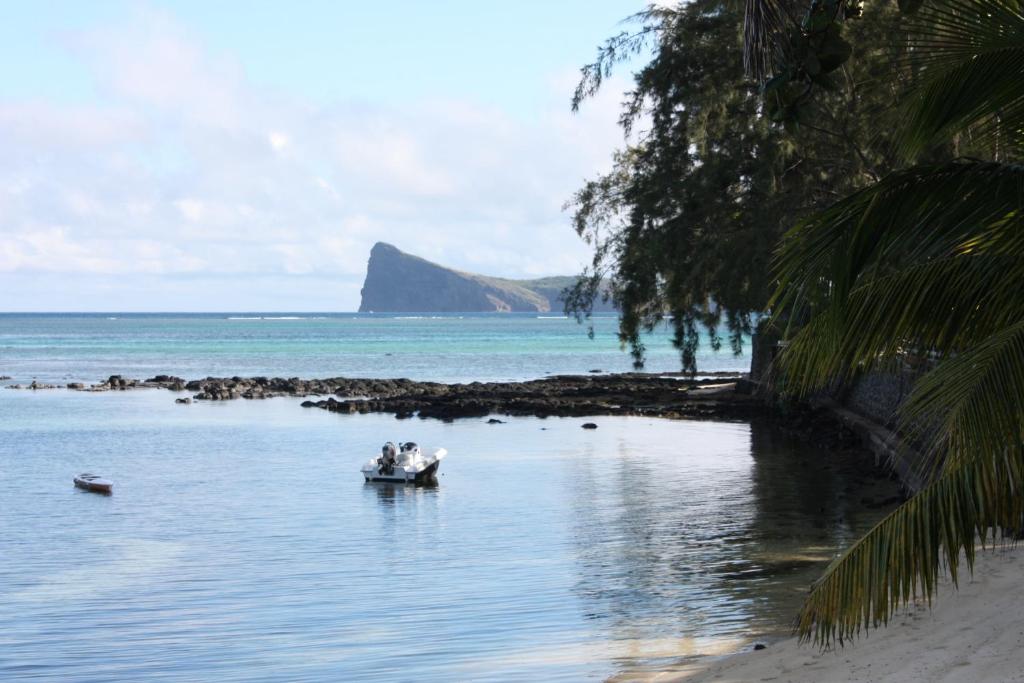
(972, 635)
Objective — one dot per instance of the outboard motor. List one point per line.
(387, 458)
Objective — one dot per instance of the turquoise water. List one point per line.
(242, 544)
(55, 348)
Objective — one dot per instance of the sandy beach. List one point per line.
(974, 634)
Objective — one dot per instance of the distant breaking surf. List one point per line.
(272, 317)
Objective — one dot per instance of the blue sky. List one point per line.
(245, 156)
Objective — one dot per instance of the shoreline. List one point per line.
(970, 634)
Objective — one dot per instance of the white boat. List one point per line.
(94, 482)
(406, 464)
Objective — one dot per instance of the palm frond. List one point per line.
(764, 25)
(922, 212)
(901, 558)
(972, 404)
(927, 257)
(943, 305)
(971, 53)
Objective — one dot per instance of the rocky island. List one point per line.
(397, 282)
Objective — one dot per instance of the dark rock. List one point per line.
(589, 425)
(745, 387)
(760, 646)
(76, 385)
(183, 401)
(495, 421)
(562, 395)
(163, 379)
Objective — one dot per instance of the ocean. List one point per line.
(241, 542)
(444, 348)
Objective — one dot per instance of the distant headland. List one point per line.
(397, 282)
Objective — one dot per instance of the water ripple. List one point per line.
(240, 544)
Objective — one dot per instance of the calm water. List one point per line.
(57, 348)
(241, 543)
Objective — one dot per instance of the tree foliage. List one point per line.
(928, 259)
(684, 224)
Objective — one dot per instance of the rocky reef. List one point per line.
(627, 394)
(397, 282)
(565, 395)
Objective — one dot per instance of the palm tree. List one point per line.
(929, 259)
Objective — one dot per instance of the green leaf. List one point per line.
(777, 81)
(818, 21)
(971, 55)
(812, 65)
(833, 51)
(825, 82)
(910, 6)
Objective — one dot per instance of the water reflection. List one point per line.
(715, 537)
(653, 545)
(408, 512)
(389, 492)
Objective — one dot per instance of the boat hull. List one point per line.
(399, 475)
(97, 486)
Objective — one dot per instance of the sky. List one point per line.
(245, 156)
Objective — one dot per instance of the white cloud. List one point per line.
(48, 127)
(191, 209)
(240, 198)
(278, 141)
